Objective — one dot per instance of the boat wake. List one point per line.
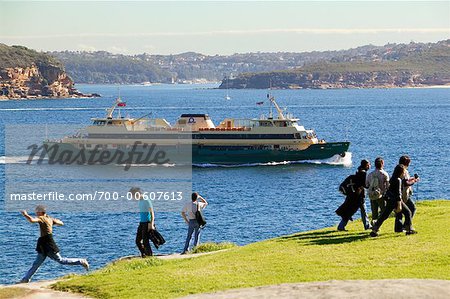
(336, 160)
(13, 160)
(148, 165)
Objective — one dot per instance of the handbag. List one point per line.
(199, 217)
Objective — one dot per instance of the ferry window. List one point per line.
(297, 136)
(266, 124)
(99, 122)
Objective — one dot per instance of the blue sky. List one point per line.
(219, 27)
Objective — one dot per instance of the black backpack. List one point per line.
(347, 187)
(199, 217)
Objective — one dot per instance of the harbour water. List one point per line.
(248, 203)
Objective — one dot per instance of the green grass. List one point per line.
(311, 256)
(6, 293)
(211, 246)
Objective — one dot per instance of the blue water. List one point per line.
(247, 204)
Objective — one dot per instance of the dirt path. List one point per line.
(41, 290)
(343, 289)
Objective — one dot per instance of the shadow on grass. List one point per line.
(325, 237)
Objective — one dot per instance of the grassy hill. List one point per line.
(435, 61)
(19, 56)
(310, 256)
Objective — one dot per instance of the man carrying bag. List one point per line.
(192, 215)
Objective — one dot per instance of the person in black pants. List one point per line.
(355, 200)
(146, 224)
(408, 182)
(394, 203)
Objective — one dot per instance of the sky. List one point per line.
(219, 27)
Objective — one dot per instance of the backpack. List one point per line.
(200, 217)
(374, 188)
(347, 187)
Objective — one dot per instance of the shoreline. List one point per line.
(348, 88)
(94, 95)
(4, 99)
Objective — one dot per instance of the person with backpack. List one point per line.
(394, 203)
(189, 214)
(46, 246)
(407, 191)
(377, 184)
(353, 189)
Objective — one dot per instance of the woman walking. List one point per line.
(394, 203)
(356, 199)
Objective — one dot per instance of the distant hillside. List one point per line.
(104, 67)
(410, 65)
(25, 73)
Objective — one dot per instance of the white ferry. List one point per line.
(232, 141)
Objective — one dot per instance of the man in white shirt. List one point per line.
(188, 213)
(377, 182)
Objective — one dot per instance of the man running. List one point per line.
(46, 246)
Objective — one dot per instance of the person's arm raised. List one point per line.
(203, 200)
(57, 222)
(29, 218)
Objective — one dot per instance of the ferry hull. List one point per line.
(219, 155)
(236, 155)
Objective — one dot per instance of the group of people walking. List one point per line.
(146, 232)
(386, 195)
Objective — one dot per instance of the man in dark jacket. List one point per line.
(355, 200)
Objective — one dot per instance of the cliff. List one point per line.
(425, 66)
(25, 73)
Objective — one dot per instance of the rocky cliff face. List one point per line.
(31, 82)
(25, 73)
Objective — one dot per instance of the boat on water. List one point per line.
(233, 141)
